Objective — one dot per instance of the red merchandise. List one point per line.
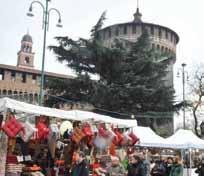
(11, 159)
(112, 149)
(87, 130)
(77, 135)
(43, 130)
(134, 138)
(12, 127)
(118, 138)
(102, 132)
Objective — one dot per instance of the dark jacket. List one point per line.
(80, 169)
(136, 169)
(158, 170)
(200, 170)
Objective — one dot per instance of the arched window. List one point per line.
(27, 60)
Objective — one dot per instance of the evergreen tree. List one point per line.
(130, 80)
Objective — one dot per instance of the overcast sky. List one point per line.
(78, 16)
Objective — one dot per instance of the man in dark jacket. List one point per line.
(200, 169)
(81, 168)
(135, 167)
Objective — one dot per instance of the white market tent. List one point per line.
(183, 139)
(148, 138)
(7, 103)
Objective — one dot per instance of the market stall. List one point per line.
(148, 138)
(35, 139)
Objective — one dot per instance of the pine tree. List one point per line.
(130, 79)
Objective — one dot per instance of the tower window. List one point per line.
(1, 74)
(152, 30)
(160, 33)
(27, 60)
(13, 75)
(171, 37)
(167, 36)
(125, 30)
(134, 29)
(117, 32)
(23, 77)
(109, 33)
(34, 78)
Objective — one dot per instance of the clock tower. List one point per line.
(25, 55)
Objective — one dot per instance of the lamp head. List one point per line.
(30, 14)
(59, 24)
(178, 74)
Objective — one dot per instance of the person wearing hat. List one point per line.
(81, 168)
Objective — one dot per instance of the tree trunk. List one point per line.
(195, 116)
(196, 122)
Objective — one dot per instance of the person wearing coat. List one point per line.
(81, 167)
(200, 169)
(136, 166)
(176, 168)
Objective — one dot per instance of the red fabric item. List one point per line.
(118, 138)
(12, 127)
(112, 150)
(87, 130)
(11, 159)
(102, 131)
(94, 167)
(77, 135)
(43, 131)
(134, 138)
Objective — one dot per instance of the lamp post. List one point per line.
(184, 77)
(45, 27)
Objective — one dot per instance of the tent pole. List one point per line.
(190, 160)
(3, 148)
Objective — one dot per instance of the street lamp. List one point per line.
(45, 27)
(184, 78)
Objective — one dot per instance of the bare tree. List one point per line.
(197, 92)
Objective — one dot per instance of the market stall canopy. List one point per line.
(7, 103)
(148, 138)
(183, 139)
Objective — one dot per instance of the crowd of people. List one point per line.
(132, 165)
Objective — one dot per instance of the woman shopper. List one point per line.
(176, 168)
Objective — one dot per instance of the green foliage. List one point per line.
(131, 80)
